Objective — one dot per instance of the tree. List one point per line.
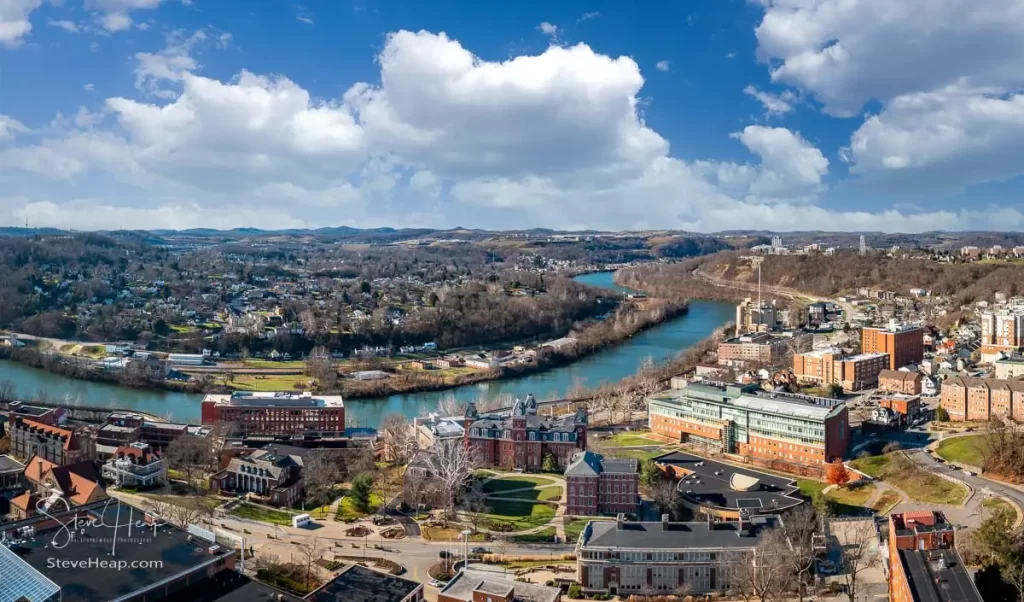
(398, 438)
(835, 391)
(320, 366)
(837, 474)
(801, 525)
(665, 496)
(321, 469)
(766, 575)
(550, 463)
(361, 492)
(310, 549)
(190, 455)
(650, 473)
(941, 415)
(860, 551)
(450, 464)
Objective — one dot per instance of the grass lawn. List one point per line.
(629, 440)
(969, 449)
(251, 363)
(517, 482)
(547, 494)
(348, 511)
(886, 502)
(996, 504)
(269, 382)
(521, 515)
(853, 496)
(919, 485)
(542, 536)
(483, 474)
(637, 454)
(575, 526)
(182, 328)
(448, 534)
(809, 487)
(274, 517)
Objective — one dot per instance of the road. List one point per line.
(848, 309)
(980, 484)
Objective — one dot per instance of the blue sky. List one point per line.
(698, 115)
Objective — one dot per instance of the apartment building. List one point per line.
(816, 366)
(904, 343)
(760, 347)
(923, 562)
(522, 440)
(601, 486)
(1011, 366)
(58, 445)
(743, 419)
(900, 381)
(275, 414)
(1002, 332)
(981, 399)
(856, 372)
(623, 558)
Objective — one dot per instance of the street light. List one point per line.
(464, 535)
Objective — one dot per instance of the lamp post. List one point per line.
(465, 547)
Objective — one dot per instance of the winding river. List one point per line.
(660, 343)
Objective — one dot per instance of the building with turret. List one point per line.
(522, 439)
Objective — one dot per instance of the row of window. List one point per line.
(531, 435)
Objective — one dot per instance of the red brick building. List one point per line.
(600, 486)
(980, 399)
(279, 414)
(522, 441)
(903, 343)
(898, 381)
(923, 563)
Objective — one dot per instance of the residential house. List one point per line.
(136, 465)
(75, 484)
(899, 381)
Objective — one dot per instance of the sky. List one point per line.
(701, 115)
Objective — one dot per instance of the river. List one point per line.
(660, 343)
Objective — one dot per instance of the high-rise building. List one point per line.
(831, 367)
(863, 245)
(1002, 332)
(904, 343)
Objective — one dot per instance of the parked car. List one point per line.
(968, 473)
(444, 554)
(481, 551)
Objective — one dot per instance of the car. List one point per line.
(968, 473)
(444, 554)
(481, 551)
(437, 583)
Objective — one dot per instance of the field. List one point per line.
(517, 482)
(520, 515)
(547, 494)
(886, 502)
(348, 511)
(630, 440)
(919, 485)
(265, 515)
(295, 364)
(853, 496)
(449, 534)
(995, 504)
(810, 488)
(543, 536)
(260, 382)
(969, 449)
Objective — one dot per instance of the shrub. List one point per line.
(891, 447)
(575, 591)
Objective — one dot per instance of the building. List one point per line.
(135, 465)
(924, 565)
(433, 428)
(359, 584)
(1009, 367)
(186, 359)
(904, 343)
(900, 381)
(522, 440)
(907, 407)
(179, 565)
(76, 484)
(11, 475)
(816, 366)
(276, 415)
(601, 486)
(58, 445)
(753, 317)
(856, 372)
(275, 477)
(744, 420)
(981, 399)
(421, 487)
(1002, 332)
(759, 347)
(487, 586)
(40, 414)
(622, 558)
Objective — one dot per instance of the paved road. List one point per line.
(848, 309)
(981, 485)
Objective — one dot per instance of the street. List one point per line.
(981, 485)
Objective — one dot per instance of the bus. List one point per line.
(301, 520)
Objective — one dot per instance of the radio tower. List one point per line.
(863, 245)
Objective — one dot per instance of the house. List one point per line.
(370, 375)
(601, 486)
(421, 487)
(136, 465)
(451, 361)
(76, 484)
(898, 381)
(275, 477)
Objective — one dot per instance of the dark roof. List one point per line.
(169, 545)
(360, 584)
(9, 464)
(703, 486)
(589, 464)
(938, 576)
(466, 582)
(675, 536)
(254, 591)
(565, 423)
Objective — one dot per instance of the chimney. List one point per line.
(711, 521)
(664, 522)
(40, 469)
(619, 519)
(739, 531)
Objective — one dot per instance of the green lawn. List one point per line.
(629, 440)
(516, 482)
(969, 449)
(996, 504)
(274, 517)
(268, 382)
(547, 494)
(449, 534)
(543, 536)
(921, 486)
(521, 515)
(886, 501)
(809, 487)
(348, 511)
(853, 496)
(251, 363)
(575, 526)
(637, 454)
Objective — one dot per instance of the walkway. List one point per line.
(557, 521)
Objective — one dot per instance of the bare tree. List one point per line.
(398, 437)
(321, 469)
(474, 506)
(801, 525)
(310, 550)
(449, 406)
(320, 366)
(187, 512)
(860, 552)
(761, 573)
(7, 390)
(190, 455)
(451, 464)
(663, 493)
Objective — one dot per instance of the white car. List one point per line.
(968, 473)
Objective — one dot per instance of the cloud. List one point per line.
(662, 65)
(445, 137)
(773, 104)
(115, 15)
(89, 87)
(154, 71)
(14, 21)
(9, 127)
(548, 29)
(588, 16)
(69, 26)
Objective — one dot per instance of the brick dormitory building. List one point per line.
(904, 343)
(522, 440)
(599, 486)
(58, 445)
(744, 420)
(275, 415)
(981, 399)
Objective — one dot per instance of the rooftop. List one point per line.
(864, 356)
(822, 352)
(28, 410)
(938, 576)
(276, 399)
(9, 464)
(360, 584)
(894, 328)
(53, 544)
(709, 484)
(468, 581)
(675, 536)
(590, 464)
